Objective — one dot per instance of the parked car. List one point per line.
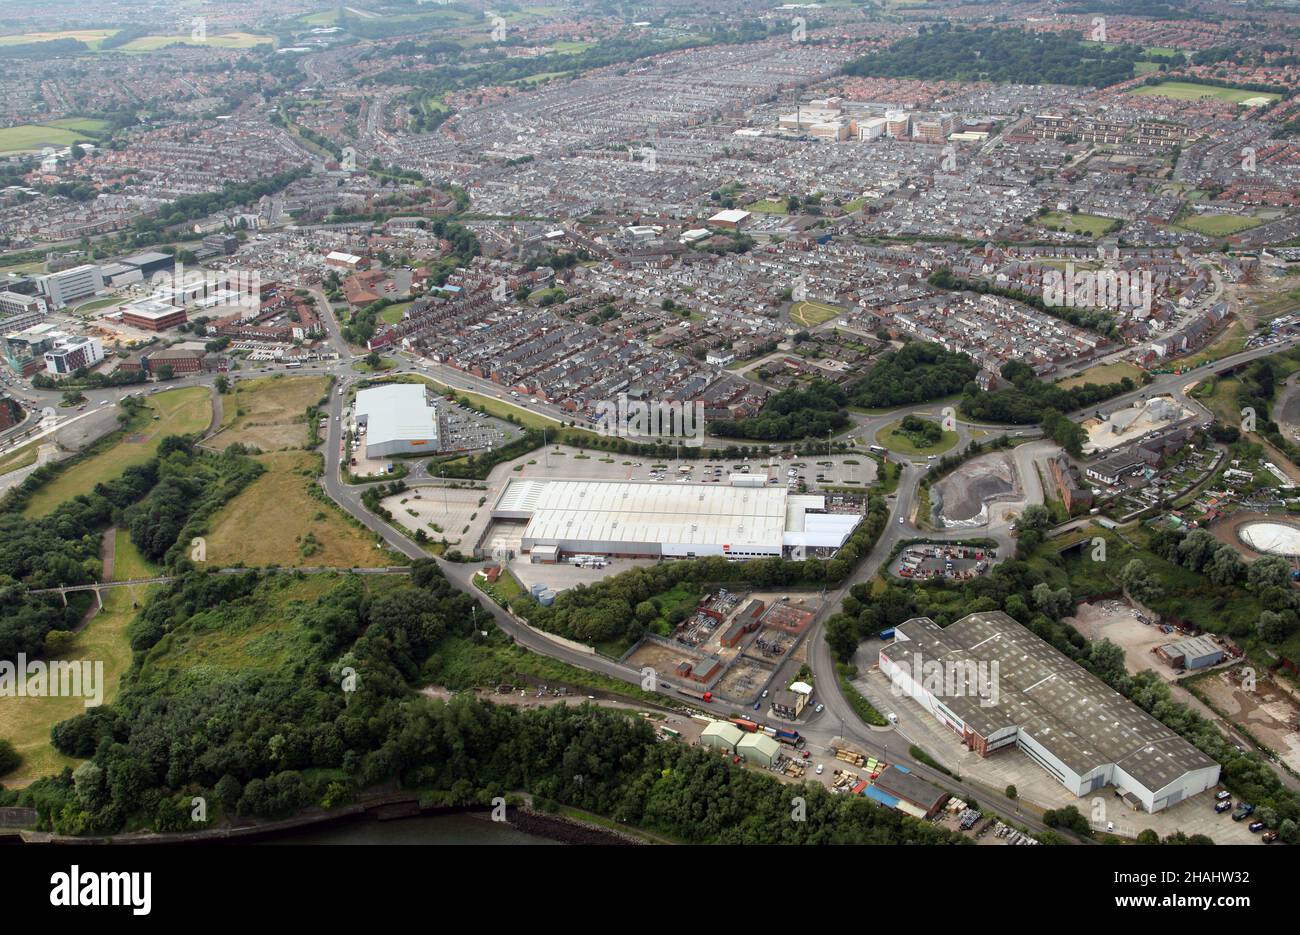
(1223, 794)
(1256, 827)
(764, 695)
(1269, 837)
(1223, 806)
(820, 769)
(820, 708)
(1243, 812)
(757, 705)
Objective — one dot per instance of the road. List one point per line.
(838, 718)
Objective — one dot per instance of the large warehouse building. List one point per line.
(400, 418)
(653, 520)
(1064, 718)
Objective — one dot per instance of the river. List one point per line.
(421, 829)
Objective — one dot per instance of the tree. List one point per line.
(1035, 517)
(1056, 604)
(165, 372)
(9, 757)
(222, 384)
(373, 360)
(1225, 566)
(1274, 626)
(1011, 792)
(1137, 581)
(1197, 548)
(1269, 571)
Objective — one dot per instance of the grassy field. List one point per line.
(1092, 225)
(1103, 374)
(88, 36)
(1269, 305)
(31, 137)
(263, 642)
(1218, 225)
(180, 412)
(767, 206)
(27, 721)
(19, 458)
(1232, 341)
(275, 521)
(128, 563)
(94, 305)
(392, 314)
(892, 438)
(1190, 91)
(385, 363)
(811, 314)
(232, 40)
(268, 413)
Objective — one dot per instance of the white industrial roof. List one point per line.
(614, 511)
(730, 216)
(397, 412)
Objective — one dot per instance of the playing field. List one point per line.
(1091, 225)
(1189, 91)
(180, 412)
(811, 314)
(1218, 225)
(268, 413)
(31, 138)
(275, 521)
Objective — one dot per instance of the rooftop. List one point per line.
(1062, 706)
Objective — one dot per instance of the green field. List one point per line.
(27, 721)
(1102, 374)
(1218, 225)
(385, 363)
(268, 413)
(232, 40)
(276, 521)
(19, 457)
(811, 314)
(1190, 91)
(767, 206)
(392, 314)
(89, 36)
(32, 137)
(895, 440)
(180, 412)
(1091, 225)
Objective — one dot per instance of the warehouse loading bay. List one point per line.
(501, 539)
(1036, 788)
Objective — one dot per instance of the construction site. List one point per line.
(1131, 424)
(963, 497)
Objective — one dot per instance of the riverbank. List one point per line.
(376, 814)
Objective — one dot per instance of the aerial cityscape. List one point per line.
(711, 422)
